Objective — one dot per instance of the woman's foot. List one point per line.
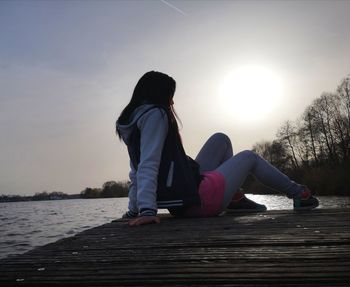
(305, 201)
(240, 203)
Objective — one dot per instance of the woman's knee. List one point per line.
(221, 137)
(247, 154)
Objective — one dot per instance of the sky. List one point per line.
(67, 69)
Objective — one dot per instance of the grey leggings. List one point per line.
(217, 154)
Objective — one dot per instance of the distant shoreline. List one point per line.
(110, 189)
(5, 199)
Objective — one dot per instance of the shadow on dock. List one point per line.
(275, 248)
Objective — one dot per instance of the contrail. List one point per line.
(173, 7)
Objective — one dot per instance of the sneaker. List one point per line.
(240, 203)
(305, 201)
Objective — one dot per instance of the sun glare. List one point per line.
(250, 93)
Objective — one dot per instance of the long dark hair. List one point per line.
(153, 88)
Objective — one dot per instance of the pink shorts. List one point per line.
(211, 192)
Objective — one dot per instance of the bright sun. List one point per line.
(250, 93)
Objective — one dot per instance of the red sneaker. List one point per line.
(305, 201)
(240, 203)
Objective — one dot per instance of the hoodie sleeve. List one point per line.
(153, 128)
(133, 210)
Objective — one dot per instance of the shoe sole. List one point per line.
(244, 210)
(305, 208)
(296, 206)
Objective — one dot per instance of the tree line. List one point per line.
(109, 189)
(54, 195)
(315, 148)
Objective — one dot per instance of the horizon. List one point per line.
(67, 69)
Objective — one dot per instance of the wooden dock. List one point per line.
(275, 248)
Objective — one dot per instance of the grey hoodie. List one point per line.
(153, 126)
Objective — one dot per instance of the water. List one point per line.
(25, 225)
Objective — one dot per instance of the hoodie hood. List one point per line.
(126, 130)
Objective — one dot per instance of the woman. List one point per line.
(163, 176)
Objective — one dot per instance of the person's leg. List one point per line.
(215, 151)
(237, 168)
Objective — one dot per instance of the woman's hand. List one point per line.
(143, 220)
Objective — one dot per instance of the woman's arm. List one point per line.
(132, 189)
(133, 210)
(153, 129)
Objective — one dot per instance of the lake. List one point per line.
(25, 225)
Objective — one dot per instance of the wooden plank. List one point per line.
(270, 249)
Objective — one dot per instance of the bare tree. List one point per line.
(343, 91)
(274, 152)
(287, 134)
(308, 129)
(339, 126)
(324, 116)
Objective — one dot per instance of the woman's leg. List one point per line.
(237, 168)
(215, 151)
